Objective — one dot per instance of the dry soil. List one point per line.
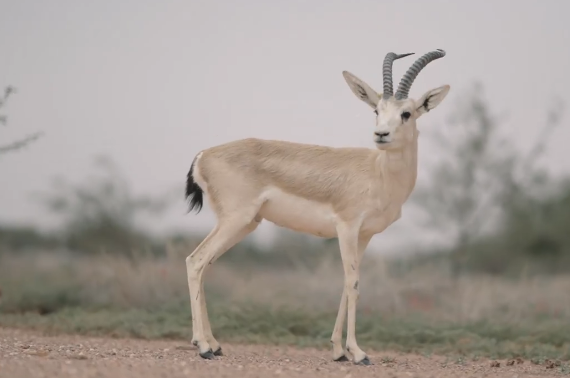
(30, 354)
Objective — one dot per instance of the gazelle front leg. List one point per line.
(348, 242)
(336, 339)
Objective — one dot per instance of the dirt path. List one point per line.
(30, 354)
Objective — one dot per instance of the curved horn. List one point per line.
(387, 73)
(414, 70)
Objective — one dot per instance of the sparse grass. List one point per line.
(421, 310)
(253, 324)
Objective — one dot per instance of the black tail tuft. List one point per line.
(194, 194)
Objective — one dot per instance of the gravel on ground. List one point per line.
(31, 354)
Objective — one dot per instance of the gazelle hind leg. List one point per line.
(192, 307)
(227, 233)
(214, 344)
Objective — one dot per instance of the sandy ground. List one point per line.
(30, 354)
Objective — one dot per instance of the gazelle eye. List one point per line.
(406, 115)
(375, 111)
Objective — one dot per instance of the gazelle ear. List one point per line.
(431, 99)
(361, 89)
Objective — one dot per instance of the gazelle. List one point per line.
(348, 193)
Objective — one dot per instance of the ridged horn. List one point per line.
(414, 70)
(387, 73)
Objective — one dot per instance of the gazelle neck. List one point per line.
(401, 165)
(405, 157)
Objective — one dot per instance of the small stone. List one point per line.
(552, 364)
(79, 356)
(185, 347)
(38, 353)
(495, 364)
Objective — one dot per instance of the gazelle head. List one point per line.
(396, 115)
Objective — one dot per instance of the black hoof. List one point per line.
(218, 352)
(342, 358)
(209, 355)
(364, 361)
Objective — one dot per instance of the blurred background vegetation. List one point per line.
(500, 286)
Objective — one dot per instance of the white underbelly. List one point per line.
(298, 214)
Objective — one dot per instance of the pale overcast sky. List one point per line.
(151, 83)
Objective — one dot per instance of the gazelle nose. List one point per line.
(381, 134)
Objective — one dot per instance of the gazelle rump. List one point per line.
(349, 193)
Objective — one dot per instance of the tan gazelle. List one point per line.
(351, 193)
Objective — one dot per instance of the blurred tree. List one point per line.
(482, 178)
(101, 214)
(16, 145)
(537, 228)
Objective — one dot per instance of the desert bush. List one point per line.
(101, 215)
(18, 144)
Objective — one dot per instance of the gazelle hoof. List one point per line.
(218, 352)
(209, 355)
(342, 358)
(364, 361)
